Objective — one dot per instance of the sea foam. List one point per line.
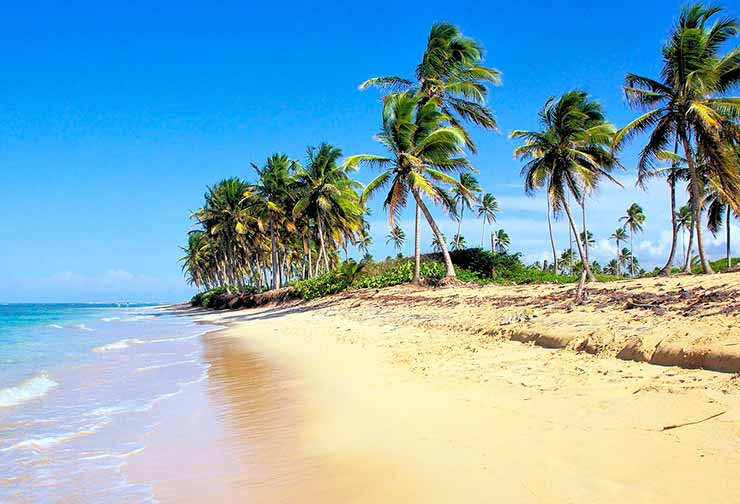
(33, 388)
(118, 345)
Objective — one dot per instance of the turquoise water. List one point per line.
(80, 386)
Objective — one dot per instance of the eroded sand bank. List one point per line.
(346, 400)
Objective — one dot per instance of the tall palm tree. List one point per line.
(451, 72)
(458, 242)
(620, 235)
(423, 151)
(502, 241)
(587, 238)
(328, 196)
(569, 155)
(719, 211)
(684, 219)
(464, 194)
(268, 199)
(689, 106)
(397, 237)
(634, 220)
(487, 209)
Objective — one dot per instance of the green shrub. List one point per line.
(403, 273)
(322, 285)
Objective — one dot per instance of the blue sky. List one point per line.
(113, 119)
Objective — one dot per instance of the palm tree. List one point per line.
(458, 242)
(437, 243)
(396, 236)
(687, 107)
(683, 220)
(364, 241)
(587, 238)
(328, 196)
(487, 209)
(626, 258)
(567, 257)
(451, 73)
(718, 210)
(422, 153)
(620, 235)
(502, 241)
(634, 220)
(569, 155)
(464, 196)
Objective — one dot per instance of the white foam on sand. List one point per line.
(118, 345)
(33, 388)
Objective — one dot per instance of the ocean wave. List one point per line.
(118, 345)
(83, 327)
(33, 388)
(110, 319)
(138, 317)
(169, 364)
(55, 326)
(47, 442)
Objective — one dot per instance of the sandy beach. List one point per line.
(358, 398)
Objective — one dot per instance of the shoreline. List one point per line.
(377, 400)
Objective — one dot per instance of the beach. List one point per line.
(409, 395)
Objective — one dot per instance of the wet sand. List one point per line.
(333, 402)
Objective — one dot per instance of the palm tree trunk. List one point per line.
(586, 266)
(450, 269)
(668, 268)
(632, 254)
(274, 257)
(552, 238)
(585, 232)
(696, 205)
(618, 259)
(459, 221)
(321, 242)
(483, 234)
(687, 259)
(417, 249)
(727, 244)
(493, 242)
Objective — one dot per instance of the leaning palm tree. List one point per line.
(487, 209)
(464, 194)
(423, 151)
(620, 235)
(688, 106)
(569, 155)
(634, 220)
(451, 72)
(502, 241)
(397, 237)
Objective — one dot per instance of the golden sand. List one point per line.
(407, 395)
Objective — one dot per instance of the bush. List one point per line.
(322, 285)
(403, 273)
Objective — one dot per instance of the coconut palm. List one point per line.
(423, 151)
(458, 242)
(502, 241)
(587, 238)
(397, 237)
(634, 220)
(364, 241)
(437, 243)
(451, 73)
(612, 268)
(620, 235)
(464, 195)
(487, 209)
(569, 155)
(683, 222)
(719, 211)
(688, 106)
(328, 196)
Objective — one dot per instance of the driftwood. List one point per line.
(676, 426)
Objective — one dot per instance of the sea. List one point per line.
(80, 386)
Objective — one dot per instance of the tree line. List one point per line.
(299, 217)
